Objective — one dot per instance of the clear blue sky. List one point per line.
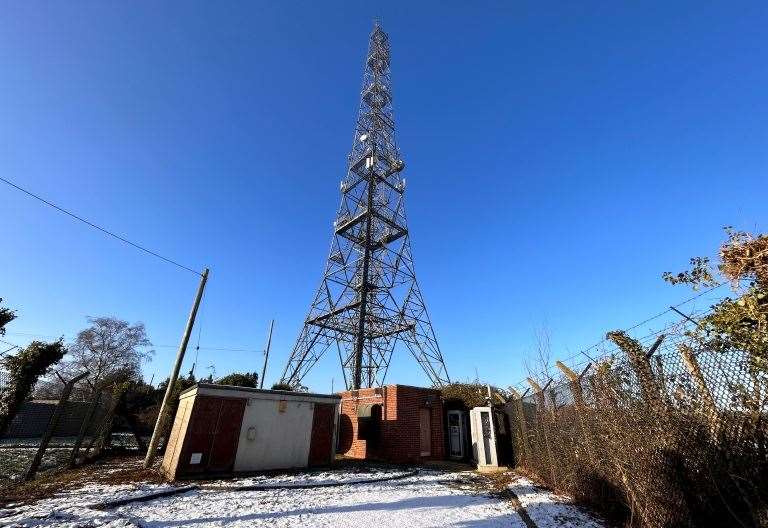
(559, 158)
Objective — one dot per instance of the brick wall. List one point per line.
(400, 430)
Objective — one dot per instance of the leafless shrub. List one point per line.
(671, 440)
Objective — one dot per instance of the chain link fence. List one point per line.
(666, 436)
(66, 427)
(4, 380)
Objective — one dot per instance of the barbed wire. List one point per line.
(643, 340)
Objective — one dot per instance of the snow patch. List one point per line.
(429, 499)
(548, 510)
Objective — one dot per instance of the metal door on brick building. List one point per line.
(425, 427)
(456, 428)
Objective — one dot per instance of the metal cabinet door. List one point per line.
(197, 446)
(321, 442)
(226, 435)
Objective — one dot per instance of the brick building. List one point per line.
(394, 423)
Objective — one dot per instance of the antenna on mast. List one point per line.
(369, 302)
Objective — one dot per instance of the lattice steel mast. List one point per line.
(369, 299)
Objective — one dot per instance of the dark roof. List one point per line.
(259, 391)
(425, 389)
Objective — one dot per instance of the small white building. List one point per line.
(491, 445)
(221, 429)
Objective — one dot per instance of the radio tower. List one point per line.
(369, 299)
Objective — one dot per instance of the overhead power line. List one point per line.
(215, 349)
(8, 350)
(210, 348)
(95, 226)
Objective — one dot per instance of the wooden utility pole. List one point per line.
(266, 354)
(161, 417)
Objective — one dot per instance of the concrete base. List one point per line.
(448, 465)
(492, 469)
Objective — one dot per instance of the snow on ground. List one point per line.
(314, 477)
(431, 498)
(16, 454)
(14, 461)
(548, 510)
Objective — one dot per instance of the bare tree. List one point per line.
(110, 349)
(540, 367)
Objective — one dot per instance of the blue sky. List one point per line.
(559, 157)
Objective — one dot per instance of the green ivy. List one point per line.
(24, 369)
(6, 316)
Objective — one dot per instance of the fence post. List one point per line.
(542, 403)
(639, 359)
(134, 426)
(608, 398)
(84, 427)
(581, 407)
(521, 420)
(52, 424)
(692, 365)
(632, 496)
(662, 377)
(100, 439)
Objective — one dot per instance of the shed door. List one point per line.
(196, 452)
(425, 426)
(227, 435)
(321, 443)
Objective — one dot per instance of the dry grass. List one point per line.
(647, 448)
(114, 470)
(745, 256)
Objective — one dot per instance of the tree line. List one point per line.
(112, 352)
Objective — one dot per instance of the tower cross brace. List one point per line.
(369, 300)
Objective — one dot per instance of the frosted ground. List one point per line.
(431, 498)
(17, 453)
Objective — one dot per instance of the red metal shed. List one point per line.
(220, 429)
